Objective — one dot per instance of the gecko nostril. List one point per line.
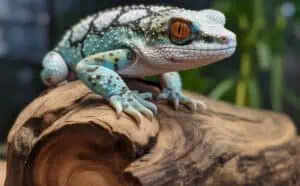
(223, 39)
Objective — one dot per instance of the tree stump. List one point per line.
(71, 137)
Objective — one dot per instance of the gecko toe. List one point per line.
(134, 113)
(146, 95)
(117, 105)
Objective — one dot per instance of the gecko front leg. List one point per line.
(172, 91)
(96, 72)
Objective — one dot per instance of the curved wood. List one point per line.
(71, 137)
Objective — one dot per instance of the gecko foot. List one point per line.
(176, 97)
(134, 103)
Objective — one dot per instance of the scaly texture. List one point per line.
(139, 41)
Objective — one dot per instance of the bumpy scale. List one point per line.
(139, 41)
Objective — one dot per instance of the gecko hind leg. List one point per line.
(106, 82)
(172, 91)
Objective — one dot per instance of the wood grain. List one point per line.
(70, 137)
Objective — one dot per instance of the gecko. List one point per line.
(138, 41)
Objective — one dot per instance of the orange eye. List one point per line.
(180, 30)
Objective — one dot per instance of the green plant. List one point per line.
(261, 30)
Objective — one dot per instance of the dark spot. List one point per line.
(207, 38)
(98, 77)
(116, 60)
(109, 81)
(118, 78)
(130, 99)
(116, 67)
(220, 160)
(223, 40)
(111, 54)
(114, 85)
(123, 90)
(90, 78)
(94, 84)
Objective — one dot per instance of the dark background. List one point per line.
(29, 28)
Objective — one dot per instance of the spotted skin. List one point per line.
(136, 41)
(98, 74)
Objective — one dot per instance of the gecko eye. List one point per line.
(180, 31)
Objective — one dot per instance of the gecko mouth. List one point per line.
(207, 54)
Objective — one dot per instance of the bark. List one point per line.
(70, 137)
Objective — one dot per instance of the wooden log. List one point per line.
(2, 172)
(71, 137)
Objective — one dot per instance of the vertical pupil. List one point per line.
(179, 29)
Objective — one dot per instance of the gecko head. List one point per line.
(184, 39)
(54, 70)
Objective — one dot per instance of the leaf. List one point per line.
(192, 80)
(276, 83)
(223, 87)
(241, 93)
(292, 98)
(254, 94)
(264, 55)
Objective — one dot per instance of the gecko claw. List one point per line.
(134, 104)
(134, 113)
(176, 97)
(116, 104)
(148, 113)
(176, 103)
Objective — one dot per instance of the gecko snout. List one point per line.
(227, 40)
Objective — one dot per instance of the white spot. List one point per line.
(158, 8)
(105, 19)
(144, 23)
(81, 29)
(132, 15)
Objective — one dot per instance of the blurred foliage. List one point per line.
(257, 67)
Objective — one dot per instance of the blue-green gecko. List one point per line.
(139, 41)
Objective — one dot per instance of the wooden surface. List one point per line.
(70, 137)
(2, 172)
